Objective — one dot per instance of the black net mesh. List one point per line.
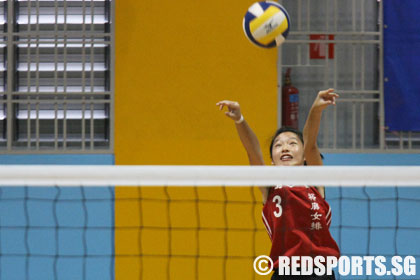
(180, 233)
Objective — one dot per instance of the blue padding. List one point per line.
(100, 159)
(402, 64)
(76, 224)
(371, 159)
(357, 209)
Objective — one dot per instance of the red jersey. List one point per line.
(297, 220)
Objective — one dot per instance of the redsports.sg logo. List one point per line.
(354, 265)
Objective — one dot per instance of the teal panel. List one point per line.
(57, 233)
(375, 221)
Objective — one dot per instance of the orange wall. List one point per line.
(174, 61)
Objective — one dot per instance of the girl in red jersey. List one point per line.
(297, 218)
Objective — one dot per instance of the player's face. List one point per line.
(287, 150)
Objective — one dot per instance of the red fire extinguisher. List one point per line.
(290, 103)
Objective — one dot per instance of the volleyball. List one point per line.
(266, 24)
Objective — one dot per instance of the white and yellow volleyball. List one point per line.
(266, 24)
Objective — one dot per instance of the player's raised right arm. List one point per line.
(248, 138)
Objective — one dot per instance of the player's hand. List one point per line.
(234, 109)
(324, 99)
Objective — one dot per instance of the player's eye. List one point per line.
(293, 143)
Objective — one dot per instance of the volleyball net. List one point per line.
(187, 222)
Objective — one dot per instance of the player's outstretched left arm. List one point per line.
(324, 99)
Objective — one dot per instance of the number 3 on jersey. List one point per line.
(277, 201)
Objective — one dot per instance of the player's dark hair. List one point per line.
(280, 131)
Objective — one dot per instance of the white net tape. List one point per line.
(100, 175)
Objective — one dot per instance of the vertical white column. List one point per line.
(83, 125)
(28, 78)
(381, 78)
(92, 81)
(55, 75)
(353, 123)
(65, 74)
(37, 105)
(112, 76)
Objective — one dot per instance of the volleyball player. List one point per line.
(297, 218)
